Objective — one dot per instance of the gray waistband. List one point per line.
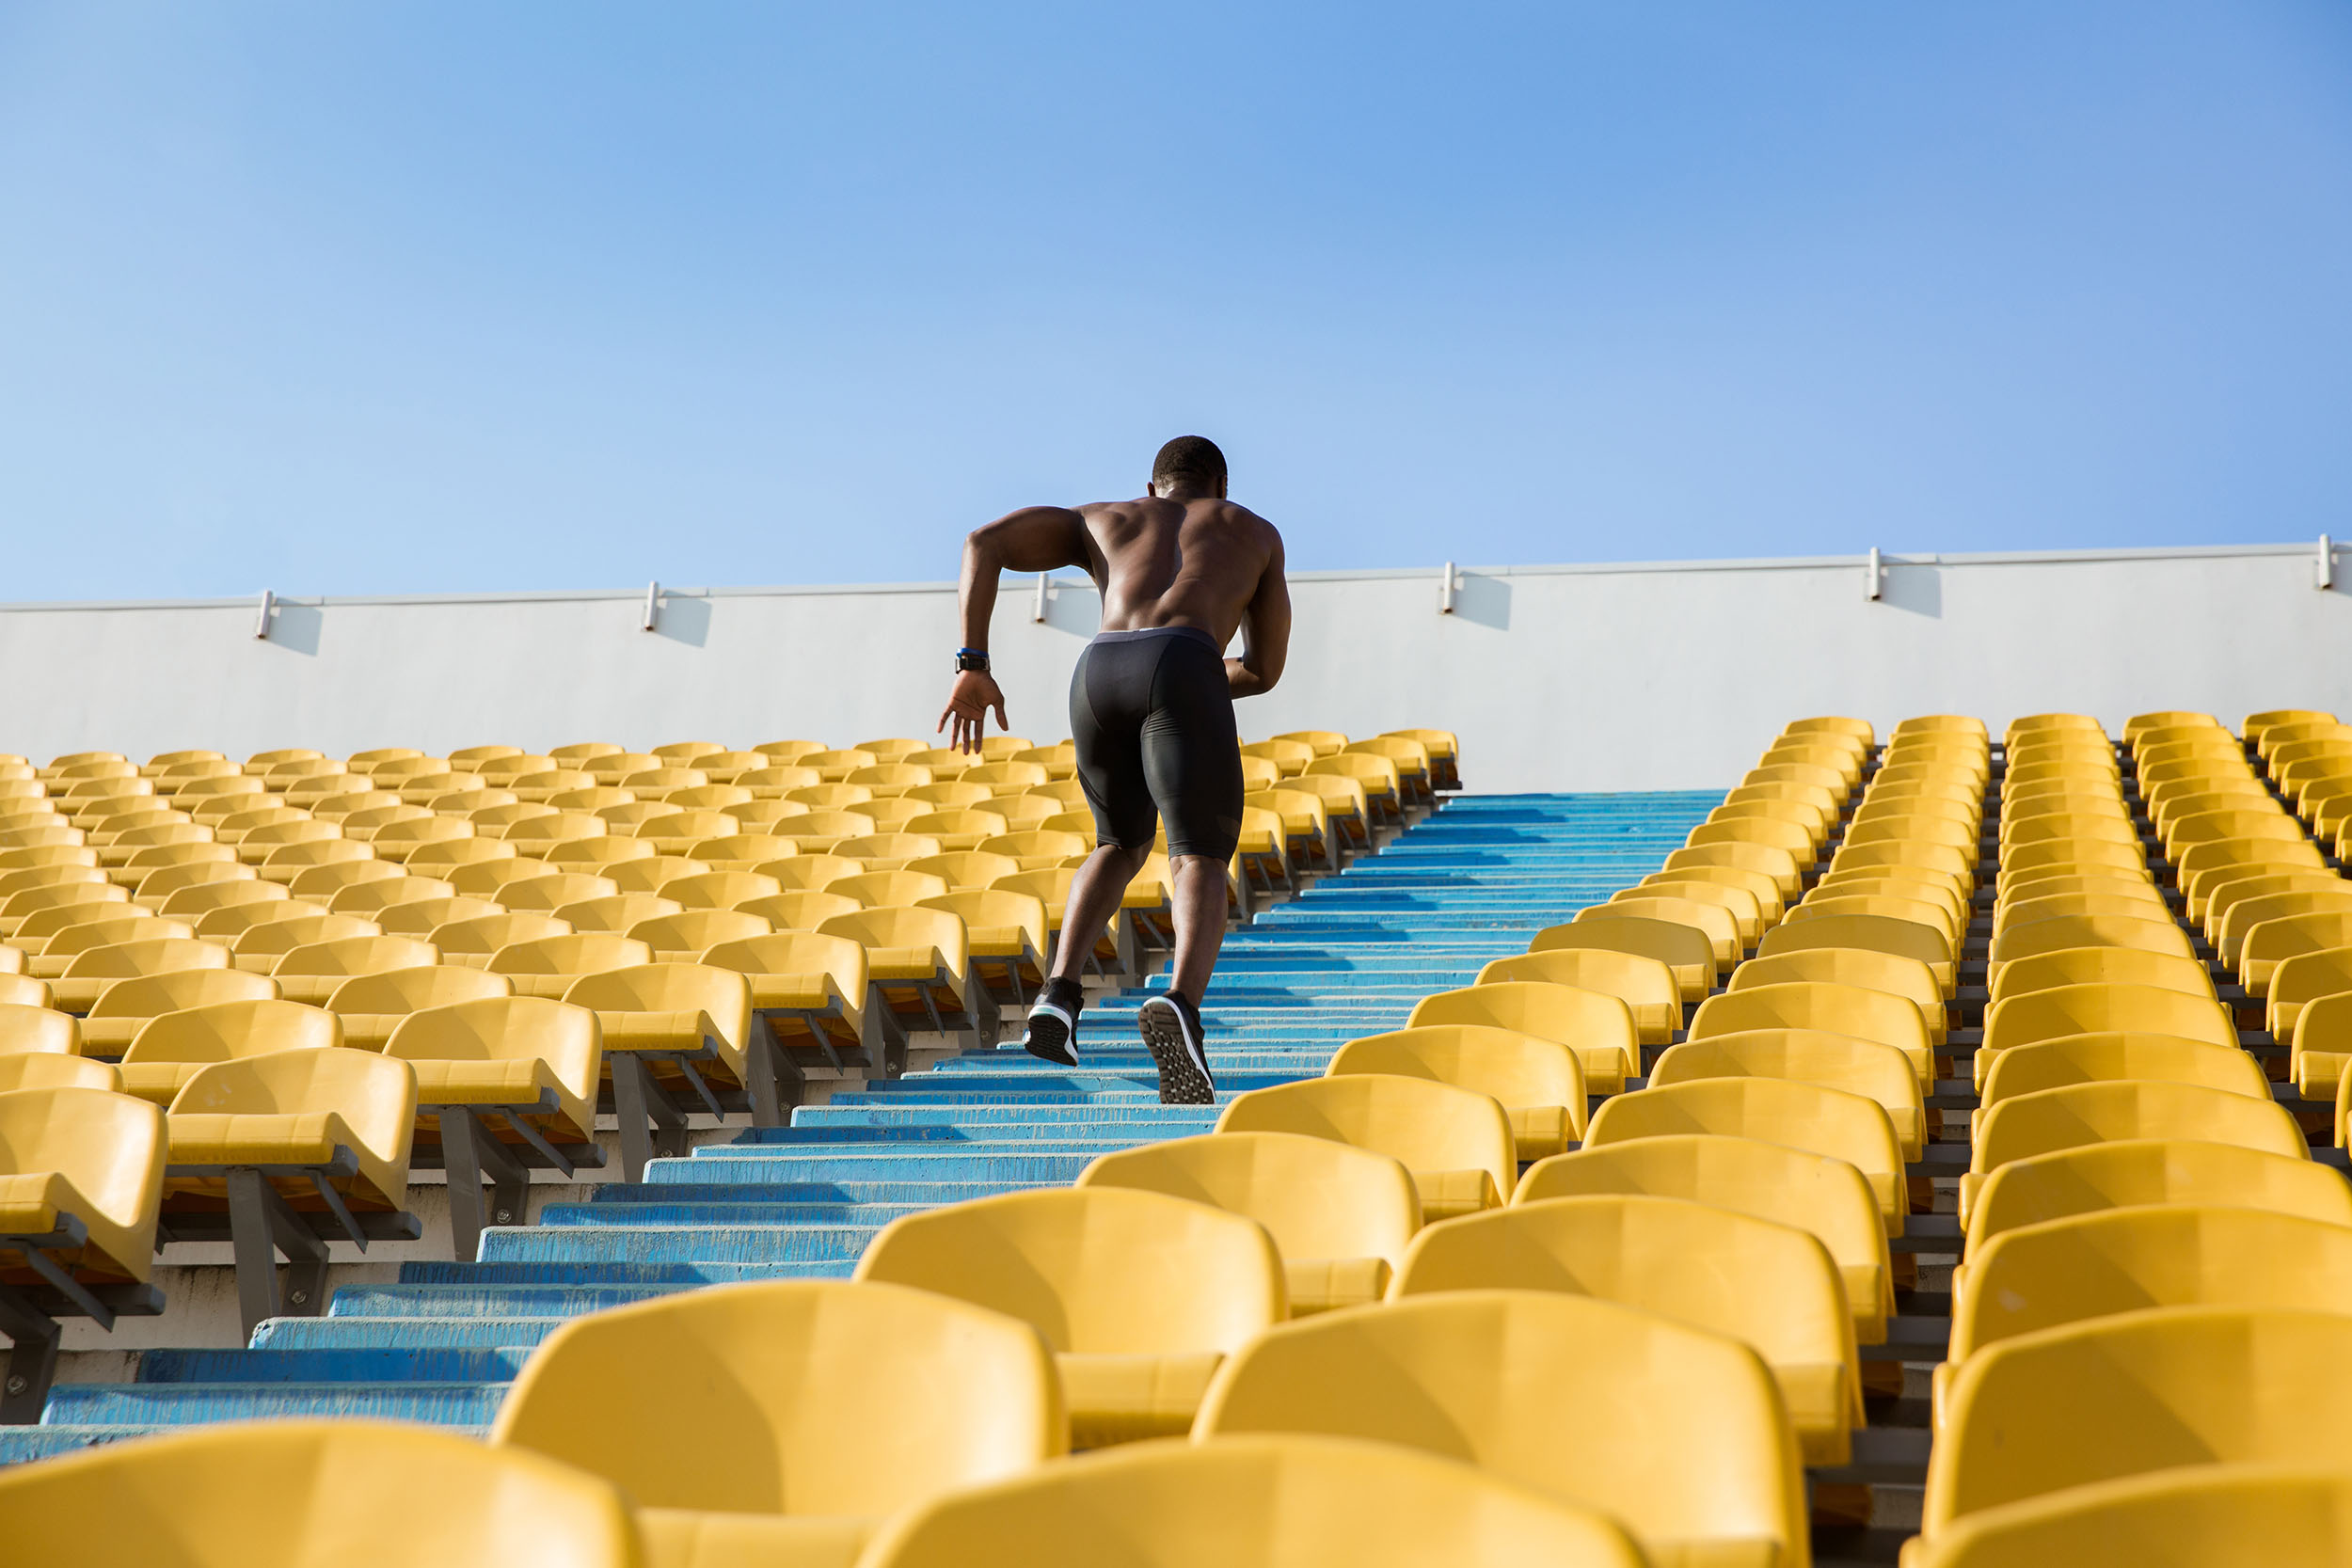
(1159, 631)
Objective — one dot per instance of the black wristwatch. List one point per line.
(972, 658)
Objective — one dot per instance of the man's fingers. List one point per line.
(1002, 722)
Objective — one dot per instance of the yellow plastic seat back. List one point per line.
(1772, 1181)
(1814, 1005)
(406, 990)
(295, 1494)
(2099, 1008)
(373, 1098)
(1872, 1068)
(1140, 1295)
(724, 994)
(2140, 1393)
(96, 1157)
(2211, 1516)
(1853, 967)
(1723, 931)
(2136, 1172)
(2095, 1265)
(1458, 1142)
(1771, 1286)
(1677, 1431)
(571, 953)
(2104, 966)
(2086, 930)
(1340, 1216)
(843, 1402)
(2091, 1058)
(30, 1029)
(1253, 1502)
(2048, 1120)
(224, 1031)
(28, 1069)
(1848, 1127)
(1539, 1083)
(1875, 933)
(451, 1047)
(1599, 1027)
(1645, 985)
(1683, 949)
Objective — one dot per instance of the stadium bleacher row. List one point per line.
(1940, 1149)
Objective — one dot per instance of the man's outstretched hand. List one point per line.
(968, 702)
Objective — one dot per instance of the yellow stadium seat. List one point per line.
(802, 911)
(1781, 865)
(296, 1493)
(682, 938)
(675, 1029)
(2302, 981)
(1140, 1295)
(824, 1408)
(544, 894)
(471, 939)
(2018, 861)
(1790, 1186)
(1458, 1142)
(1825, 1005)
(547, 965)
(2116, 1262)
(1254, 1502)
(2104, 966)
(2321, 1046)
(504, 1084)
(116, 1017)
(369, 899)
(2062, 1010)
(2101, 1057)
(1745, 908)
(2294, 1516)
(1340, 1216)
(918, 967)
(1887, 972)
(89, 976)
(1685, 950)
(172, 1048)
(54, 958)
(312, 972)
(1872, 933)
(1848, 1127)
(1597, 1026)
(2132, 1173)
(29, 1031)
(812, 992)
(2272, 942)
(719, 890)
(1771, 1286)
(2084, 931)
(300, 1146)
(615, 912)
(1004, 931)
(1865, 1066)
(1538, 1081)
(372, 1006)
(81, 1184)
(649, 874)
(1483, 1375)
(1647, 986)
(2051, 1119)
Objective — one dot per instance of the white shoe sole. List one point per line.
(1052, 1035)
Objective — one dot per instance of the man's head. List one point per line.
(1191, 466)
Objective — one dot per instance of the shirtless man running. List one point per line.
(1180, 569)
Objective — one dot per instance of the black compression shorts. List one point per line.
(1154, 723)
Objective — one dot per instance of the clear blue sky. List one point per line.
(387, 297)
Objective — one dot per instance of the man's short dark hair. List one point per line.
(1192, 461)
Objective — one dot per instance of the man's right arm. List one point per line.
(1034, 538)
(1266, 631)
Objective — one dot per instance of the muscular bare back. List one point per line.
(1159, 563)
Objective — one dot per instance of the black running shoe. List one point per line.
(1171, 1026)
(1053, 1035)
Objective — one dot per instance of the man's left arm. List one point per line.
(1265, 632)
(1034, 538)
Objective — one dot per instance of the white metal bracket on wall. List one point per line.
(2326, 576)
(1446, 586)
(1874, 584)
(269, 607)
(1044, 580)
(652, 617)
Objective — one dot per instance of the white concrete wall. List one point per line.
(1566, 678)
